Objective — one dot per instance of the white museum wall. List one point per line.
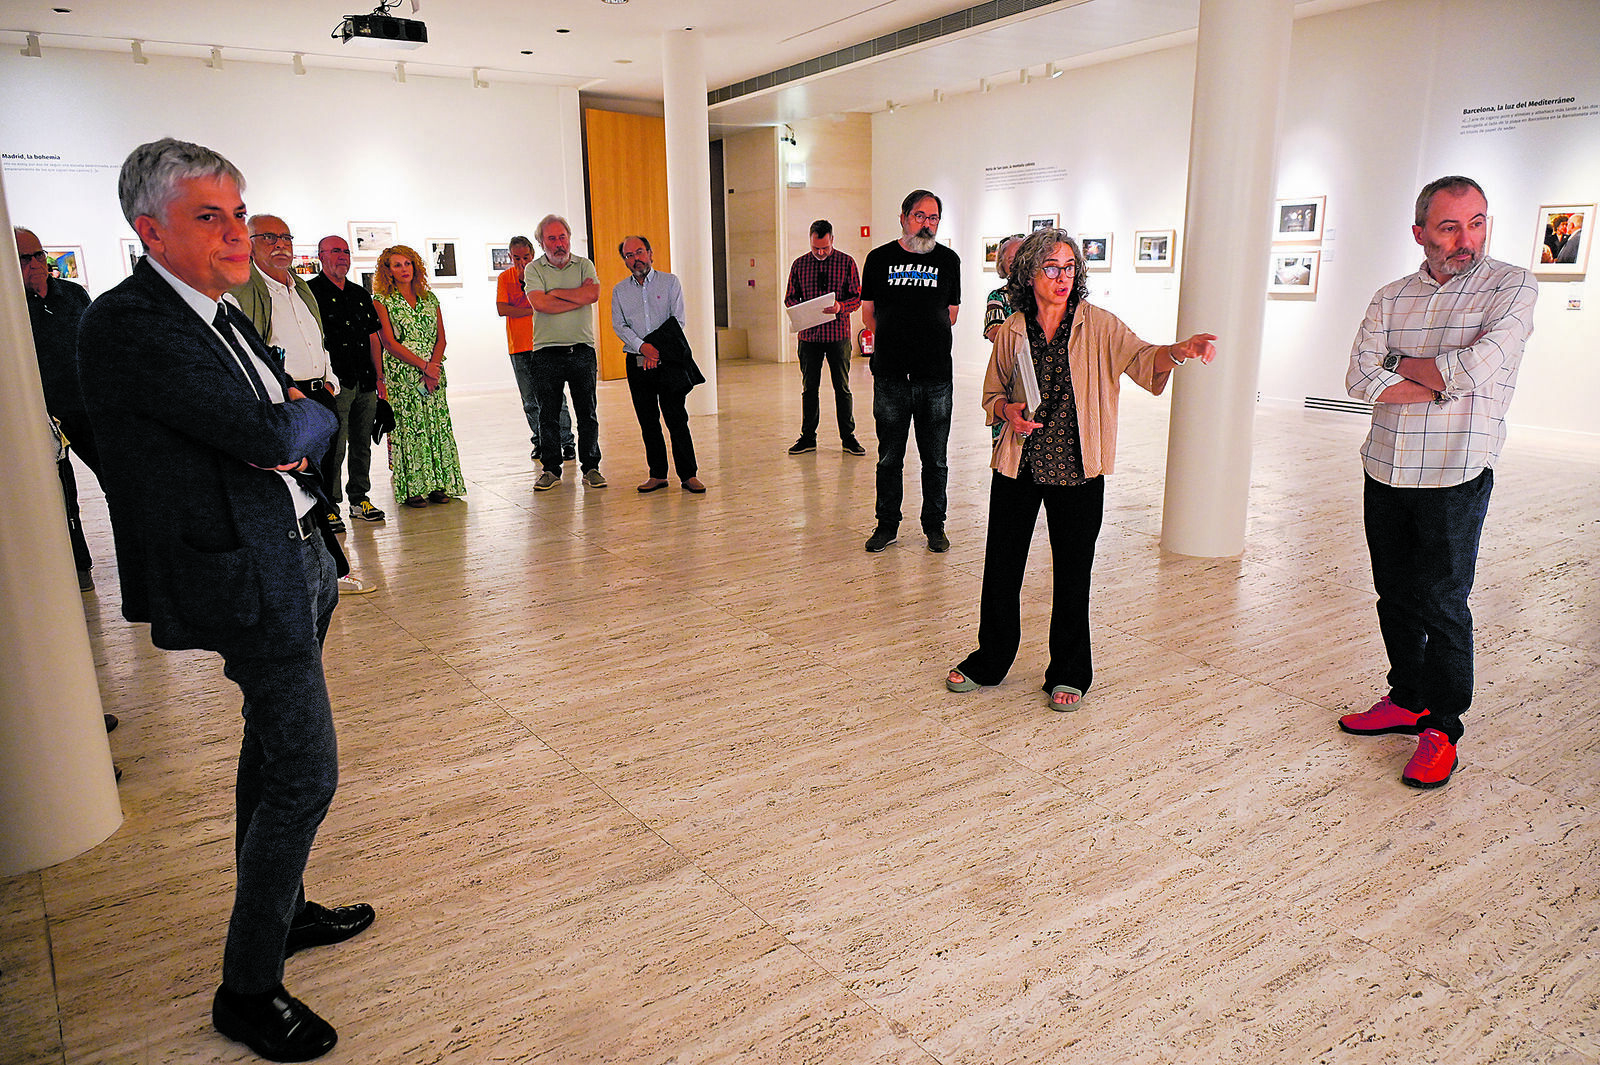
(1374, 110)
(756, 278)
(441, 159)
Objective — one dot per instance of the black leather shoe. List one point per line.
(318, 926)
(275, 1025)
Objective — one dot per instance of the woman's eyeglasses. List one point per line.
(1052, 271)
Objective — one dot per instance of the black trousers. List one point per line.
(1074, 515)
(652, 406)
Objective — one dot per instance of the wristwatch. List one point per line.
(1391, 362)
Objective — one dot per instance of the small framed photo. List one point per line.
(441, 258)
(367, 239)
(367, 278)
(306, 263)
(991, 252)
(499, 259)
(1096, 250)
(1037, 222)
(65, 262)
(1298, 221)
(1153, 248)
(132, 252)
(1561, 240)
(1294, 272)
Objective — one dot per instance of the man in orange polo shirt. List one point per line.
(512, 302)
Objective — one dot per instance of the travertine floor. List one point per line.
(675, 779)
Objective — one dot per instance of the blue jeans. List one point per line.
(896, 403)
(837, 355)
(576, 369)
(527, 384)
(288, 771)
(1424, 545)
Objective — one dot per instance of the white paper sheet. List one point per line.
(811, 313)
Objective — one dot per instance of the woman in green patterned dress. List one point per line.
(422, 447)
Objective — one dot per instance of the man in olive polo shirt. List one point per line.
(563, 288)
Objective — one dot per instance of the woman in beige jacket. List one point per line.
(1056, 455)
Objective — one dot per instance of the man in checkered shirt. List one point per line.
(1437, 356)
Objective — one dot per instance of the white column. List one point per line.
(688, 128)
(1241, 66)
(58, 797)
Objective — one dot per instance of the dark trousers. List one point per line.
(1424, 545)
(652, 406)
(575, 369)
(356, 409)
(527, 384)
(837, 355)
(896, 403)
(80, 442)
(1073, 514)
(288, 771)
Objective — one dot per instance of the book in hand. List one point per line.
(1030, 385)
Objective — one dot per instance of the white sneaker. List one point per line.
(350, 584)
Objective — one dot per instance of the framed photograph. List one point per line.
(1044, 221)
(1298, 221)
(440, 253)
(306, 263)
(499, 259)
(367, 239)
(1153, 248)
(132, 252)
(1096, 250)
(1561, 240)
(991, 252)
(367, 277)
(1294, 272)
(66, 262)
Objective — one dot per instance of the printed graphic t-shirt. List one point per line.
(912, 295)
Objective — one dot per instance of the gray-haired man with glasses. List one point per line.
(910, 293)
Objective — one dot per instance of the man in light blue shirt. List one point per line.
(646, 301)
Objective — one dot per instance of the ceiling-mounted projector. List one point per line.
(383, 30)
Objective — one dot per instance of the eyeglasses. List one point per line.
(632, 255)
(33, 256)
(274, 238)
(1052, 271)
(925, 219)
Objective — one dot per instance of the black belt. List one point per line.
(315, 385)
(307, 525)
(562, 349)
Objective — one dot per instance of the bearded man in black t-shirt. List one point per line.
(910, 293)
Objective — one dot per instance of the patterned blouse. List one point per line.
(1052, 454)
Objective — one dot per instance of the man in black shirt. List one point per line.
(350, 327)
(54, 308)
(910, 293)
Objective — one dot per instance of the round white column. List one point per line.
(58, 796)
(688, 134)
(1241, 67)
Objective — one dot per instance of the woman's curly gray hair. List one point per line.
(1030, 257)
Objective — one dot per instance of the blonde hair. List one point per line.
(383, 282)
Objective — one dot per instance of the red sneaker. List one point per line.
(1433, 763)
(1384, 717)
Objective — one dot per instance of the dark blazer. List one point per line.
(207, 543)
(679, 372)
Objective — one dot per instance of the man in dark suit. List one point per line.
(208, 464)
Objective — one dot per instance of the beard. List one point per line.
(1442, 265)
(921, 242)
(556, 262)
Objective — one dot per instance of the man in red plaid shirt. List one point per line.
(819, 271)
